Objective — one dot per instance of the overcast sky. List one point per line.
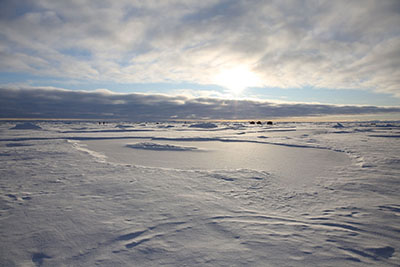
(308, 52)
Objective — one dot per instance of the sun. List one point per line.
(237, 79)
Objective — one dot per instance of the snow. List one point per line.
(294, 194)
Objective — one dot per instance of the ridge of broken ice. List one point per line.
(159, 147)
(205, 125)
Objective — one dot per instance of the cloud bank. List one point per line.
(288, 44)
(102, 104)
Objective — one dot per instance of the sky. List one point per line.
(206, 59)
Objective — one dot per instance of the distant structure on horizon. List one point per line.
(260, 123)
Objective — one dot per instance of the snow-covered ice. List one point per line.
(151, 194)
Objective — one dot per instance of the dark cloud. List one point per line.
(57, 103)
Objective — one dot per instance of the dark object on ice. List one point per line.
(38, 258)
(338, 125)
(252, 122)
(259, 122)
(26, 126)
(269, 123)
(384, 252)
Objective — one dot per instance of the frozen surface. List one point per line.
(151, 194)
(293, 164)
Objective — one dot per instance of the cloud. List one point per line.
(103, 104)
(325, 44)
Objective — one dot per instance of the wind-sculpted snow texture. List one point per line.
(72, 194)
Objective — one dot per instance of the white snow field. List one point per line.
(221, 194)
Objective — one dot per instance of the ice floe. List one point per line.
(295, 194)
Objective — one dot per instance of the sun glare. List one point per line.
(237, 79)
